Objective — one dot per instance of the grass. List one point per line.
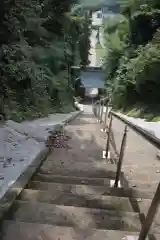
(150, 112)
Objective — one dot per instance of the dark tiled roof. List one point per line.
(92, 79)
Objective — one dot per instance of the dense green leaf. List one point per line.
(133, 61)
(39, 41)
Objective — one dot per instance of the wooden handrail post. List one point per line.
(150, 215)
(109, 133)
(121, 155)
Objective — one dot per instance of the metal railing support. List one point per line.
(109, 134)
(152, 139)
(106, 116)
(101, 114)
(150, 215)
(99, 110)
(93, 106)
(121, 155)
(95, 109)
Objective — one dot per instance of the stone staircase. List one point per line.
(76, 200)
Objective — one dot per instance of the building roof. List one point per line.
(92, 79)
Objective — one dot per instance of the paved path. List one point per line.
(152, 127)
(85, 146)
(101, 37)
(92, 56)
(140, 165)
(22, 143)
(140, 162)
(93, 39)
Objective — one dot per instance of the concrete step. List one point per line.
(90, 201)
(59, 188)
(150, 177)
(146, 167)
(102, 170)
(145, 185)
(94, 178)
(72, 179)
(32, 231)
(75, 216)
(82, 190)
(82, 169)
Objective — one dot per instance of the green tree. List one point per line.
(132, 72)
(39, 43)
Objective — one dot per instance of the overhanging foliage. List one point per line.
(133, 63)
(39, 41)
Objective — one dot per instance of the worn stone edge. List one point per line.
(16, 188)
(11, 194)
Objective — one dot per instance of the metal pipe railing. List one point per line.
(99, 110)
(151, 215)
(106, 116)
(102, 110)
(121, 155)
(108, 139)
(150, 138)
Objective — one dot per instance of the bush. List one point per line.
(133, 60)
(137, 78)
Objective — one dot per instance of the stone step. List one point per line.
(74, 216)
(146, 166)
(82, 190)
(149, 174)
(32, 231)
(90, 201)
(101, 170)
(95, 178)
(135, 183)
(72, 179)
(82, 169)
